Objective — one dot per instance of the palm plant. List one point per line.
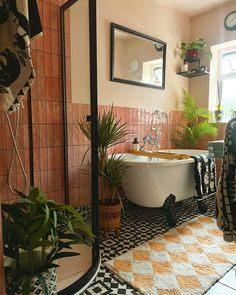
(111, 132)
(197, 125)
(113, 173)
(35, 232)
(112, 168)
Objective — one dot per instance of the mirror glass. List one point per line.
(137, 58)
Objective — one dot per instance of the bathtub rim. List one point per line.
(161, 161)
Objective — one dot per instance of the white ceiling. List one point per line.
(192, 8)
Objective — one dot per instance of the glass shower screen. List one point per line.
(78, 20)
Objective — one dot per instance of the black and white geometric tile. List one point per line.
(139, 225)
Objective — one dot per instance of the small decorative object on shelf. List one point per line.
(203, 69)
(184, 67)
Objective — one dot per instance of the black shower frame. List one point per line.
(86, 278)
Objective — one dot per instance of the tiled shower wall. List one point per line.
(47, 118)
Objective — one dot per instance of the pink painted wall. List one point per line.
(210, 26)
(153, 19)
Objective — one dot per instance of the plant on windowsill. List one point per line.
(36, 233)
(218, 111)
(197, 124)
(193, 51)
(112, 168)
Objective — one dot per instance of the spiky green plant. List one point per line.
(197, 125)
(113, 173)
(36, 232)
(111, 132)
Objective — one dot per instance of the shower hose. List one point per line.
(15, 150)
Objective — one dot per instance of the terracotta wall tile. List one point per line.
(3, 162)
(47, 40)
(46, 20)
(55, 66)
(40, 63)
(48, 64)
(54, 16)
(40, 88)
(2, 283)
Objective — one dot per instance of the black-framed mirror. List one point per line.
(136, 58)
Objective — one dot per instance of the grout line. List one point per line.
(227, 286)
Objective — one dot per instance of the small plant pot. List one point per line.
(193, 55)
(50, 277)
(109, 218)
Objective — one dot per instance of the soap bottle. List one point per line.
(135, 145)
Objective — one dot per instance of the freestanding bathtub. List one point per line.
(150, 181)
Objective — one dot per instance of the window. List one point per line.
(228, 81)
(223, 79)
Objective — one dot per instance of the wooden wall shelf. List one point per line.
(189, 74)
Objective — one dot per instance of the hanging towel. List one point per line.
(205, 175)
(226, 194)
(19, 21)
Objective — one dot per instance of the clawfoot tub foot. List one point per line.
(202, 207)
(168, 206)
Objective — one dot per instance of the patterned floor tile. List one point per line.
(139, 225)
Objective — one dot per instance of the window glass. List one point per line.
(228, 78)
(228, 64)
(228, 98)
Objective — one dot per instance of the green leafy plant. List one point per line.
(112, 169)
(113, 173)
(37, 232)
(197, 124)
(198, 44)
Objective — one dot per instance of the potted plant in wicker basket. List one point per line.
(112, 168)
(36, 233)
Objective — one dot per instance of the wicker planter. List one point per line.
(109, 218)
(51, 282)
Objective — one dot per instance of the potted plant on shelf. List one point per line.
(112, 168)
(36, 233)
(197, 124)
(193, 51)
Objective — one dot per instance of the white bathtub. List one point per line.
(150, 182)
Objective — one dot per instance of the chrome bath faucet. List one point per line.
(152, 138)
